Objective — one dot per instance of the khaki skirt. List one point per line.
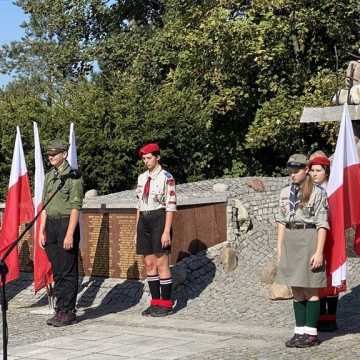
(294, 269)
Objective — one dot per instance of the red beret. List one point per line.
(319, 160)
(149, 148)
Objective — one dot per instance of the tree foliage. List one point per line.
(219, 84)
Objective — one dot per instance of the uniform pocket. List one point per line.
(309, 211)
(158, 194)
(66, 187)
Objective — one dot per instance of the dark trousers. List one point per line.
(64, 262)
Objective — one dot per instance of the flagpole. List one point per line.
(4, 269)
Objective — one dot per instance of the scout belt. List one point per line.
(151, 212)
(293, 226)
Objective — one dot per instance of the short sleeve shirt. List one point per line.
(314, 212)
(162, 192)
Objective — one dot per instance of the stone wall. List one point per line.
(251, 224)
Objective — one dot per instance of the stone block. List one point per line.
(91, 193)
(220, 187)
(268, 273)
(229, 259)
(256, 184)
(280, 292)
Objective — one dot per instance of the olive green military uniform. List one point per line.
(69, 197)
(64, 261)
(299, 244)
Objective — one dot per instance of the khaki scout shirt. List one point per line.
(314, 212)
(69, 197)
(162, 194)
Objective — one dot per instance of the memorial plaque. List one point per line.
(108, 235)
(98, 250)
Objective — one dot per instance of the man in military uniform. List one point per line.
(59, 231)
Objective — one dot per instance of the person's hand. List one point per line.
(42, 240)
(316, 261)
(165, 239)
(68, 242)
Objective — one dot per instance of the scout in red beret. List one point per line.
(319, 160)
(319, 166)
(155, 211)
(149, 148)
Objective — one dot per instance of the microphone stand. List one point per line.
(4, 269)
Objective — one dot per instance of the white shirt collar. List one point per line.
(155, 172)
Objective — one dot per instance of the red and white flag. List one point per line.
(72, 153)
(18, 208)
(73, 162)
(344, 200)
(42, 266)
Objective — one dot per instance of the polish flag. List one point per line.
(42, 266)
(72, 153)
(73, 162)
(18, 208)
(344, 200)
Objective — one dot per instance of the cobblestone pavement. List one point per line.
(219, 316)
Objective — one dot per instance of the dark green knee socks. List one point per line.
(312, 317)
(300, 313)
(306, 316)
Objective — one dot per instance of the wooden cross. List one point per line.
(331, 113)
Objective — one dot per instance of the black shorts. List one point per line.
(149, 231)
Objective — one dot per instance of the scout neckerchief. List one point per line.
(146, 189)
(293, 199)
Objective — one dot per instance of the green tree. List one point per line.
(219, 84)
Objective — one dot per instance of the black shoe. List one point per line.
(323, 325)
(149, 310)
(332, 326)
(308, 341)
(327, 326)
(160, 311)
(295, 340)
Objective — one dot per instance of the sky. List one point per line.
(11, 17)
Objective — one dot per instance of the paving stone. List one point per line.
(228, 312)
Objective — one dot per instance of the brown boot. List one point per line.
(65, 318)
(53, 319)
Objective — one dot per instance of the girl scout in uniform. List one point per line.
(302, 223)
(319, 166)
(155, 212)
